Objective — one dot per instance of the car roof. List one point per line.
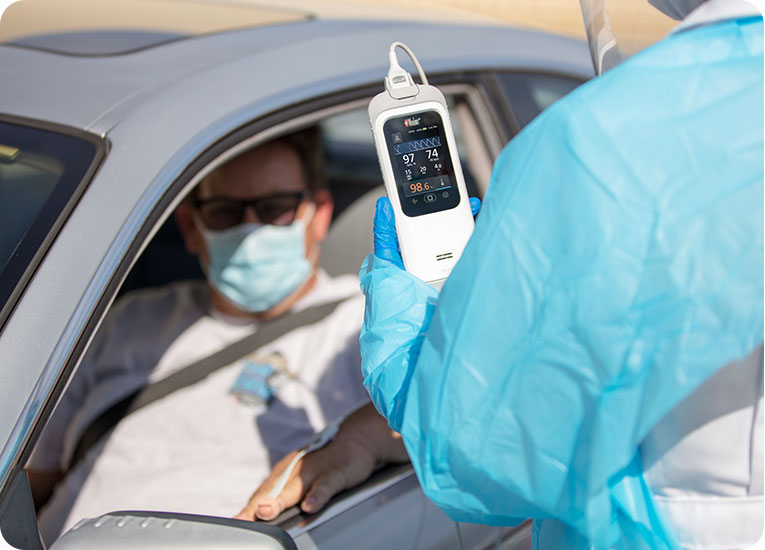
(268, 65)
(60, 26)
(98, 27)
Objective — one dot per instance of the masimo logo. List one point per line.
(412, 121)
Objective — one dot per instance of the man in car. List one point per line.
(256, 224)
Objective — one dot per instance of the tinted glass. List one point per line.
(39, 173)
(529, 94)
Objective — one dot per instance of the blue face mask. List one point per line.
(256, 266)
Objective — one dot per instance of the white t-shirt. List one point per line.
(200, 449)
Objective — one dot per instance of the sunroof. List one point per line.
(110, 27)
(92, 43)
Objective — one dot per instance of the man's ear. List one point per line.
(323, 216)
(192, 238)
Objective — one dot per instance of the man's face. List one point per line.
(264, 185)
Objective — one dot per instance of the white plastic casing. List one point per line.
(431, 243)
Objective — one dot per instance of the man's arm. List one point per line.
(363, 443)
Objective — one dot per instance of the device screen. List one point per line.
(421, 163)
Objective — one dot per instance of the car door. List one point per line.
(390, 510)
(353, 176)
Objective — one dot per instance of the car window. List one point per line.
(40, 170)
(26, 181)
(531, 93)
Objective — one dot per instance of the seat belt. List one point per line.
(194, 373)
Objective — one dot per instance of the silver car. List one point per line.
(103, 130)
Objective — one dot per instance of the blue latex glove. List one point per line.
(384, 230)
(385, 238)
(397, 316)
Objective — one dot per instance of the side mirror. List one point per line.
(161, 530)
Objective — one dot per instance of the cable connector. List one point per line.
(398, 82)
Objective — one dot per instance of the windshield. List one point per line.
(40, 174)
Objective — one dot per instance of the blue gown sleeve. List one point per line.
(616, 264)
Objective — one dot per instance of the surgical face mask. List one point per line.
(256, 266)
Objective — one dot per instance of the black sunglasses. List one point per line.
(224, 212)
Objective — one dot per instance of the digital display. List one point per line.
(421, 163)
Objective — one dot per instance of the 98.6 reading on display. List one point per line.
(421, 163)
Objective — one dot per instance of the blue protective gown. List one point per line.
(616, 265)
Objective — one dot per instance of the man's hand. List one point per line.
(363, 443)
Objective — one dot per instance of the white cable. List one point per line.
(410, 53)
(398, 82)
(276, 491)
(321, 439)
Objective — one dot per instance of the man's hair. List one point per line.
(307, 144)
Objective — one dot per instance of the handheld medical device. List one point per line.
(422, 172)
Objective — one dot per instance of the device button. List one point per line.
(430, 197)
(445, 194)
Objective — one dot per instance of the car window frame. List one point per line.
(261, 129)
(380, 491)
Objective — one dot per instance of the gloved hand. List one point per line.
(385, 238)
(396, 319)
